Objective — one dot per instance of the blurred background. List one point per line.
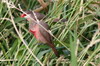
(77, 39)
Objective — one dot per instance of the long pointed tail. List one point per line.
(54, 49)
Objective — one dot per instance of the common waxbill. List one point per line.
(39, 32)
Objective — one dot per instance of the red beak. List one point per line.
(23, 15)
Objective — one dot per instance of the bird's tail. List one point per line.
(54, 49)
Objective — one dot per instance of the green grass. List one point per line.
(77, 40)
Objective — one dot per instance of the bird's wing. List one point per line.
(39, 15)
(44, 33)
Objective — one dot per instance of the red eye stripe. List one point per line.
(23, 15)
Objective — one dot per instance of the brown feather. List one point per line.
(47, 37)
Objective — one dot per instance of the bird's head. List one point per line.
(27, 14)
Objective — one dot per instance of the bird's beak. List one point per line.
(23, 15)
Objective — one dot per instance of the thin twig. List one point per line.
(8, 60)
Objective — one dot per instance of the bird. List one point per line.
(39, 29)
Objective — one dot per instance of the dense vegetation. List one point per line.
(77, 39)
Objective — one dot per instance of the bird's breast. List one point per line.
(37, 34)
(35, 31)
